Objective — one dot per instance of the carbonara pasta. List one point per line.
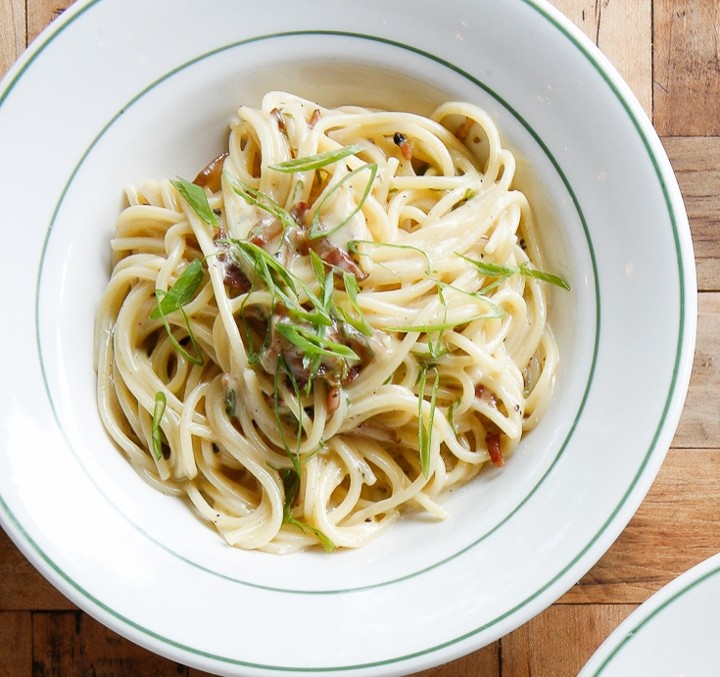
(341, 318)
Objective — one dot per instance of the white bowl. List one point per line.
(118, 91)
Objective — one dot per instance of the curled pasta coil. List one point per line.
(340, 319)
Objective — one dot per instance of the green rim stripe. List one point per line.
(536, 137)
(35, 51)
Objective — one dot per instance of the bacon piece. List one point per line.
(314, 118)
(330, 253)
(264, 234)
(233, 276)
(211, 176)
(336, 256)
(464, 129)
(275, 113)
(492, 440)
(298, 211)
(332, 401)
(401, 141)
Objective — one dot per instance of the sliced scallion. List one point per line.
(311, 343)
(425, 433)
(315, 229)
(291, 484)
(505, 271)
(181, 292)
(352, 246)
(197, 199)
(174, 300)
(318, 161)
(156, 431)
(263, 201)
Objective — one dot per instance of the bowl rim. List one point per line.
(683, 248)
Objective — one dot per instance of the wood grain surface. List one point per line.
(668, 52)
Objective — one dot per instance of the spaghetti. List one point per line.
(340, 319)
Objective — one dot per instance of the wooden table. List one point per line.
(668, 52)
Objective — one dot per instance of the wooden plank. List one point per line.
(676, 527)
(563, 637)
(623, 32)
(72, 643)
(700, 421)
(42, 12)
(696, 161)
(192, 672)
(686, 71)
(485, 662)
(15, 644)
(21, 586)
(12, 32)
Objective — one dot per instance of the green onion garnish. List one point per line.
(230, 402)
(503, 272)
(174, 299)
(181, 292)
(441, 326)
(263, 201)
(357, 318)
(324, 277)
(156, 431)
(304, 164)
(282, 284)
(352, 246)
(313, 344)
(283, 368)
(195, 358)
(425, 433)
(315, 230)
(197, 199)
(291, 484)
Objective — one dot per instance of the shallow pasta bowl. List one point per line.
(116, 92)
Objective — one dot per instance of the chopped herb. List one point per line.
(545, 277)
(357, 319)
(269, 269)
(325, 280)
(324, 275)
(496, 311)
(352, 246)
(314, 344)
(291, 484)
(181, 292)
(468, 195)
(156, 431)
(197, 199)
(294, 456)
(282, 284)
(195, 358)
(230, 402)
(450, 415)
(262, 201)
(174, 300)
(425, 433)
(437, 347)
(504, 271)
(303, 164)
(440, 326)
(315, 230)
